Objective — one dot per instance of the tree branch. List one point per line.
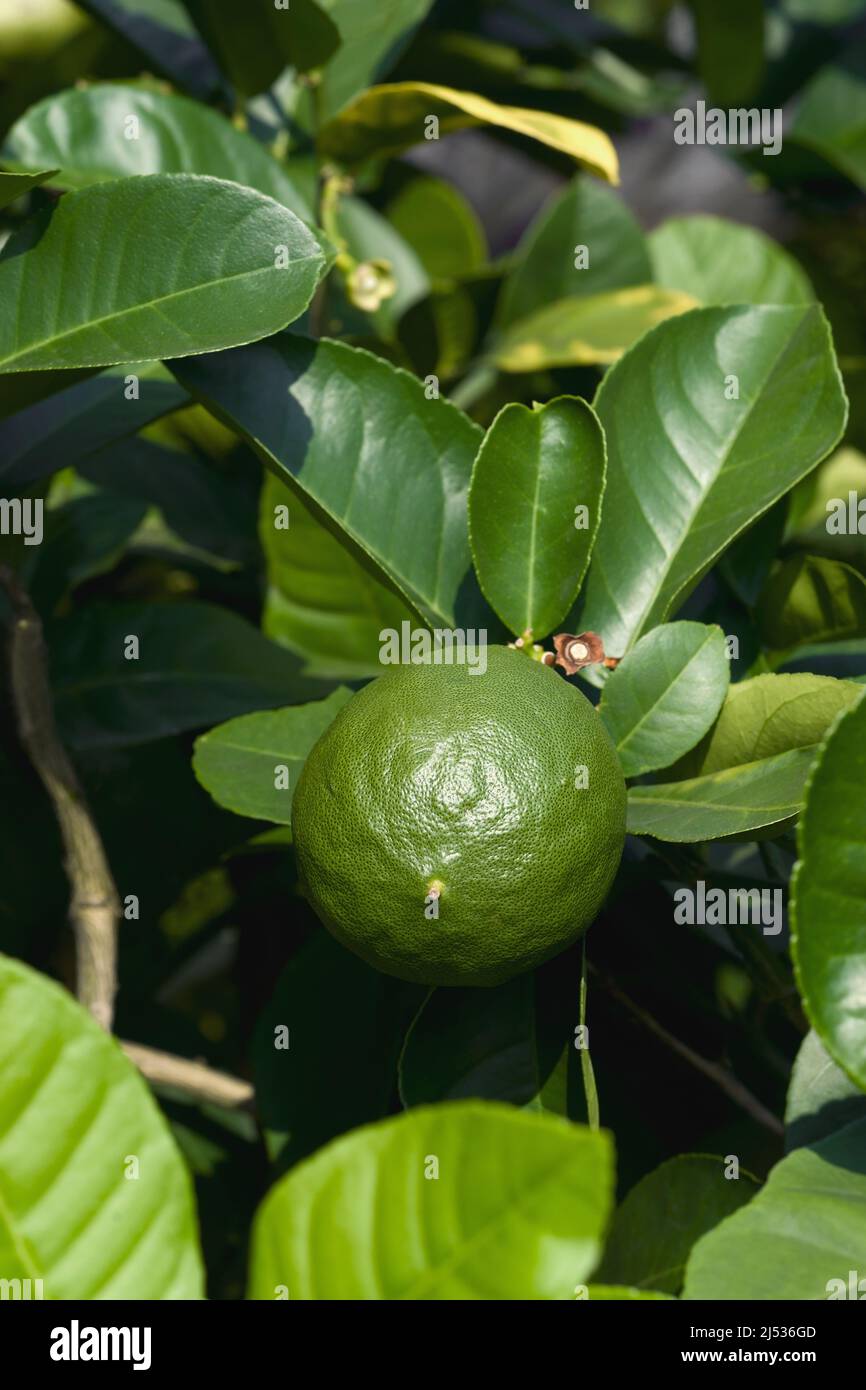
(725, 1080)
(94, 904)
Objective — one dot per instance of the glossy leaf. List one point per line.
(591, 329)
(585, 214)
(209, 280)
(14, 186)
(755, 796)
(113, 130)
(361, 442)
(196, 664)
(809, 599)
(806, 1228)
(831, 120)
(654, 1228)
(665, 695)
(321, 601)
(511, 1043)
(534, 510)
(315, 1088)
(70, 1215)
(238, 762)
(766, 716)
(74, 424)
(821, 1098)
(391, 118)
(326, 1233)
(679, 444)
(721, 262)
(253, 43)
(829, 895)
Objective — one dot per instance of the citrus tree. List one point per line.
(434, 771)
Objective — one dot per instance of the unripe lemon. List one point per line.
(456, 828)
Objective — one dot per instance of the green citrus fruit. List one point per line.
(456, 828)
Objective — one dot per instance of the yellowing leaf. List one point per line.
(594, 328)
(384, 120)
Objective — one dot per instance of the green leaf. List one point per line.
(585, 214)
(805, 1228)
(808, 599)
(828, 891)
(237, 762)
(386, 120)
(823, 11)
(526, 1198)
(754, 796)
(721, 262)
(361, 442)
(534, 510)
(372, 38)
(70, 426)
(678, 450)
(766, 716)
(196, 664)
(69, 1215)
(253, 43)
(586, 330)
(163, 32)
(730, 48)
(316, 1088)
(112, 130)
(321, 601)
(831, 120)
(654, 1228)
(84, 537)
(665, 695)
(208, 280)
(821, 1098)
(441, 227)
(14, 186)
(510, 1043)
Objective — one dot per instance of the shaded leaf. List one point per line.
(197, 664)
(831, 120)
(362, 443)
(316, 1087)
(821, 1098)
(13, 186)
(441, 227)
(253, 44)
(730, 48)
(805, 1228)
(654, 1228)
(808, 599)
